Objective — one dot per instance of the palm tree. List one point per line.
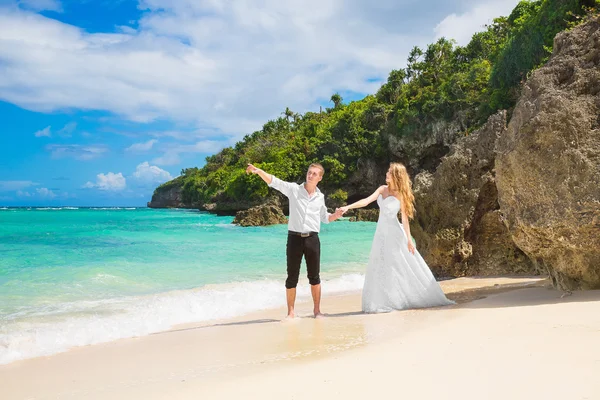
(337, 100)
(288, 113)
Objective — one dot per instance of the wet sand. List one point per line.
(506, 338)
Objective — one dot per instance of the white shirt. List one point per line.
(306, 212)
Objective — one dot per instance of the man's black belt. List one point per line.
(307, 234)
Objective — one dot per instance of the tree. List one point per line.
(414, 66)
(390, 91)
(337, 100)
(288, 113)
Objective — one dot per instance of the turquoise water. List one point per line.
(73, 276)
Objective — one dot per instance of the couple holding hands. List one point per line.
(396, 278)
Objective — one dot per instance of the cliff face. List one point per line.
(368, 177)
(548, 163)
(425, 151)
(169, 196)
(458, 228)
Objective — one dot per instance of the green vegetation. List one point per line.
(531, 30)
(443, 82)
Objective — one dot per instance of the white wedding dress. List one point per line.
(395, 278)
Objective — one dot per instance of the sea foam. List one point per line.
(83, 323)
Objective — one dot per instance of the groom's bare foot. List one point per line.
(289, 319)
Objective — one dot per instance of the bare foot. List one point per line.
(319, 314)
(289, 317)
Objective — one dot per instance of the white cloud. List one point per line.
(43, 132)
(172, 151)
(186, 135)
(225, 67)
(9, 186)
(41, 5)
(45, 193)
(151, 174)
(169, 158)
(141, 147)
(461, 27)
(76, 151)
(68, 129)
(109, 182)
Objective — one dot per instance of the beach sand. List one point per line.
(507, 338)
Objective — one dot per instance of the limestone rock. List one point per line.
(266, 214)
(548, 163)
(458, 228)
(365, 180)
(362, 214)
(169, 197)
(424, 152)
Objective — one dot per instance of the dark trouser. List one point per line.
(310, 248)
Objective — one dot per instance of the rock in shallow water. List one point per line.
(266, 214)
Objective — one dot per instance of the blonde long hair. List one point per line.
(401, 184)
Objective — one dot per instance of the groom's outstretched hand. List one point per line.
(251, 169)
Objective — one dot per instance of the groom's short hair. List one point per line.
(319, 166)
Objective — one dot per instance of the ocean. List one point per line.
(76, 276)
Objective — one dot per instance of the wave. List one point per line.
(213, 225)
(83, 323)
(113, 208)
(52, 208)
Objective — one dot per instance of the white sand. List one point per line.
(519, 344)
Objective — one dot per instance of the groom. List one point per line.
(307, 211)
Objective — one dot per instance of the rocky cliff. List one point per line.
(425, 151)
(169, 196)
(548, 163)
(458, 227)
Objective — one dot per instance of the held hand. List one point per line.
(344, 209)
(251, 169)
(338, 213)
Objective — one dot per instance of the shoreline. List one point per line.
(207, 357)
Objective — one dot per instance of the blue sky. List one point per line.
(101, 101)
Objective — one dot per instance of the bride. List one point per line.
(397, 277)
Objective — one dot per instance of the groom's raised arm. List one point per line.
(284, 187)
